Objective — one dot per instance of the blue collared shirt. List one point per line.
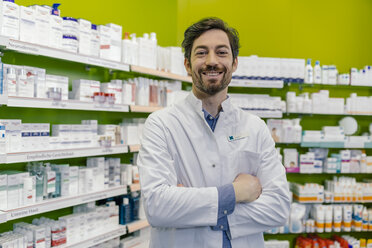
(226, 196)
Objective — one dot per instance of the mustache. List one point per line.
(212, 68)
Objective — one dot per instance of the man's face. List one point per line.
(211, 62)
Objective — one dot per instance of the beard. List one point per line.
(213, 87)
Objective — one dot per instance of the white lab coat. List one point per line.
(178, 147)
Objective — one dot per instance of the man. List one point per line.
(209, 172)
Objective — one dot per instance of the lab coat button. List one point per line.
(213, 165)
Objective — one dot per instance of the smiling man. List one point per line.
(210, 174)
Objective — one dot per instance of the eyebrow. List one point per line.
(205, 47)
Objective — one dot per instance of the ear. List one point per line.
(235, 64)
(187, 66)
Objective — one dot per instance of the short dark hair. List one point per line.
(198, 28)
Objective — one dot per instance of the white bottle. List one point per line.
(154, 44)
(317, 73)
(297, 131)
(126, 49)
(134, 51)
(307, 103)
(325, 74)
(291, 102)
(309, 72)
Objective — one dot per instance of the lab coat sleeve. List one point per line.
(271, 209)
(167, 205)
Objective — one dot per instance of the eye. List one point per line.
(200, 53)
(222, 52)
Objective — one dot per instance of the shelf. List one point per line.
(134, 187)
(144, 109)
(335, 86)
(331, 233)
(353, 114)
(134, 148)
(366, 145)
(34, 49)
(266, 114)
(28, 102)
(61, 154)
(60, 202)
(137, 225)
(256, 83)
(161, 74)
(117, 232)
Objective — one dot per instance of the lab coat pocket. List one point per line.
(249, 162)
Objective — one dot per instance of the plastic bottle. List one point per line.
(307, 103)
(11, 81)
(317, 73)
(297, 131)
(309, 72)
(134, 50)
(126, 49)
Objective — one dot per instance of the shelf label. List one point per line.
(107, 150)
(23, 213)
(23, 47)
(49, 155)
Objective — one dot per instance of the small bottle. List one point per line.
(309, 72)
(297, 131)
(317, 73)
(134, 50)
(307, 103)
(126, 49)
(11, 81)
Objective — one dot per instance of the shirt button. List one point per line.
(210, 118)
(221, 226)
(225, 212)
(213, 165)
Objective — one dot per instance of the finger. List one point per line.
(180, 185)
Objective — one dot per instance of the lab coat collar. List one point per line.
(198, 107)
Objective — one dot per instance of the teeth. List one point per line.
(212, 73)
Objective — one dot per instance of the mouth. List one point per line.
(212, 74)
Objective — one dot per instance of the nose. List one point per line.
(211, 59)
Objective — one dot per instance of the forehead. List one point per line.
(212, 38)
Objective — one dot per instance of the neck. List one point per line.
(212, 104)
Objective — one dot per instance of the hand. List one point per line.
(247, 188)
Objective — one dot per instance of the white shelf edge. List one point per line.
(137, 225)
(265, 114)
(62, 154)
(70, 104)
(62, 202)
(367, 114)
(121, 230)
(29, 48)
(257, 83)
(162, 74)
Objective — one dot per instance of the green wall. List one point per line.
(334, 32)
(134, 16)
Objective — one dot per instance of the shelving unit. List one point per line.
(3, 100)
(61, 154)
(60, 202)
(35, 49)
(26, 102)
(100, 238)
(137, 225)
(161, 74)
